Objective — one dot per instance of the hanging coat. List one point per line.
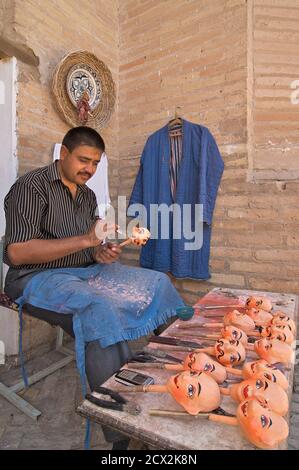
(199, 175)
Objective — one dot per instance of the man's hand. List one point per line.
(107, 253)
(99, 231)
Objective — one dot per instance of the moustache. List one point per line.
(85, 174)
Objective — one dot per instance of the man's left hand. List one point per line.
(107, 253)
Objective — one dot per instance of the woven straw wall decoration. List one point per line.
(84, 90)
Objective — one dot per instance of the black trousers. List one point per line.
(100, 362)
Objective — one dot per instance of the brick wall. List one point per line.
(221, 62)
(52, 31)
(193, 55)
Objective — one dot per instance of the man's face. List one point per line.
(79, 165)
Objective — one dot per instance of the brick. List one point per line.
(217, 265)
(231, 280)
(274, 285)
(256, 239)
(291, 256)
(263, 268)
(233, 201)
(293, 239)
(231, 253)
(252, 214)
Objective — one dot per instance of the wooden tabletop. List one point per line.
(190, 433)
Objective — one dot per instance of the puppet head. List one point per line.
(240, 320)
(273, 350)
(234, 333)
(140, 235)
(201, 362)
(273, 394)
(259, 302)
(262, 369)
(277, 331)
(229, 352)
(260, 317)
(280, 318)
(262, 427)
(195, 391)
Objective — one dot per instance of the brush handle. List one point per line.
(212, 325)
(155, 365)
(223, 419)
(177, 414)
(206, 350)
(126, 242)
(141, 388)
(196, 335)
(224, 391)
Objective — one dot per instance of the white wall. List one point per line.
(8, 140)
(8, 173)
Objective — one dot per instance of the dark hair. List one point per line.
(83, 136)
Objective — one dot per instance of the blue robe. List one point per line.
(199, 176)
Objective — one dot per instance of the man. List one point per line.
(50, 223)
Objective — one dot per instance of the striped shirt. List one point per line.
(40, 206)
(176, 153)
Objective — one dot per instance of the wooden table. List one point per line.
(190, 433)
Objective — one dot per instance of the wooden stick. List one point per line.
(171, 413)
(216, 307)
(224, 391)
(196, 335)
(199, 325)
(126, 242)
(155, 365)
(231, 420)
(233, 371)
(141, 388)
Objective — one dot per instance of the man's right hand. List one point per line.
(99, 231)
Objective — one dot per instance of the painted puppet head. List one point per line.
(262, 303)
(140, 235)
(240, 320)
(280, 318)
(229, 352)
(234, 333)
(273, 350)
(273, 394)
(282, 332)
(262, 427)
(260, 317)
(195, 391)
(262, 369)
(201, 362)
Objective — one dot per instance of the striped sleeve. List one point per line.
(24, 210)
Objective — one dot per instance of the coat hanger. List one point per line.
(175, 126)
(177, 119)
